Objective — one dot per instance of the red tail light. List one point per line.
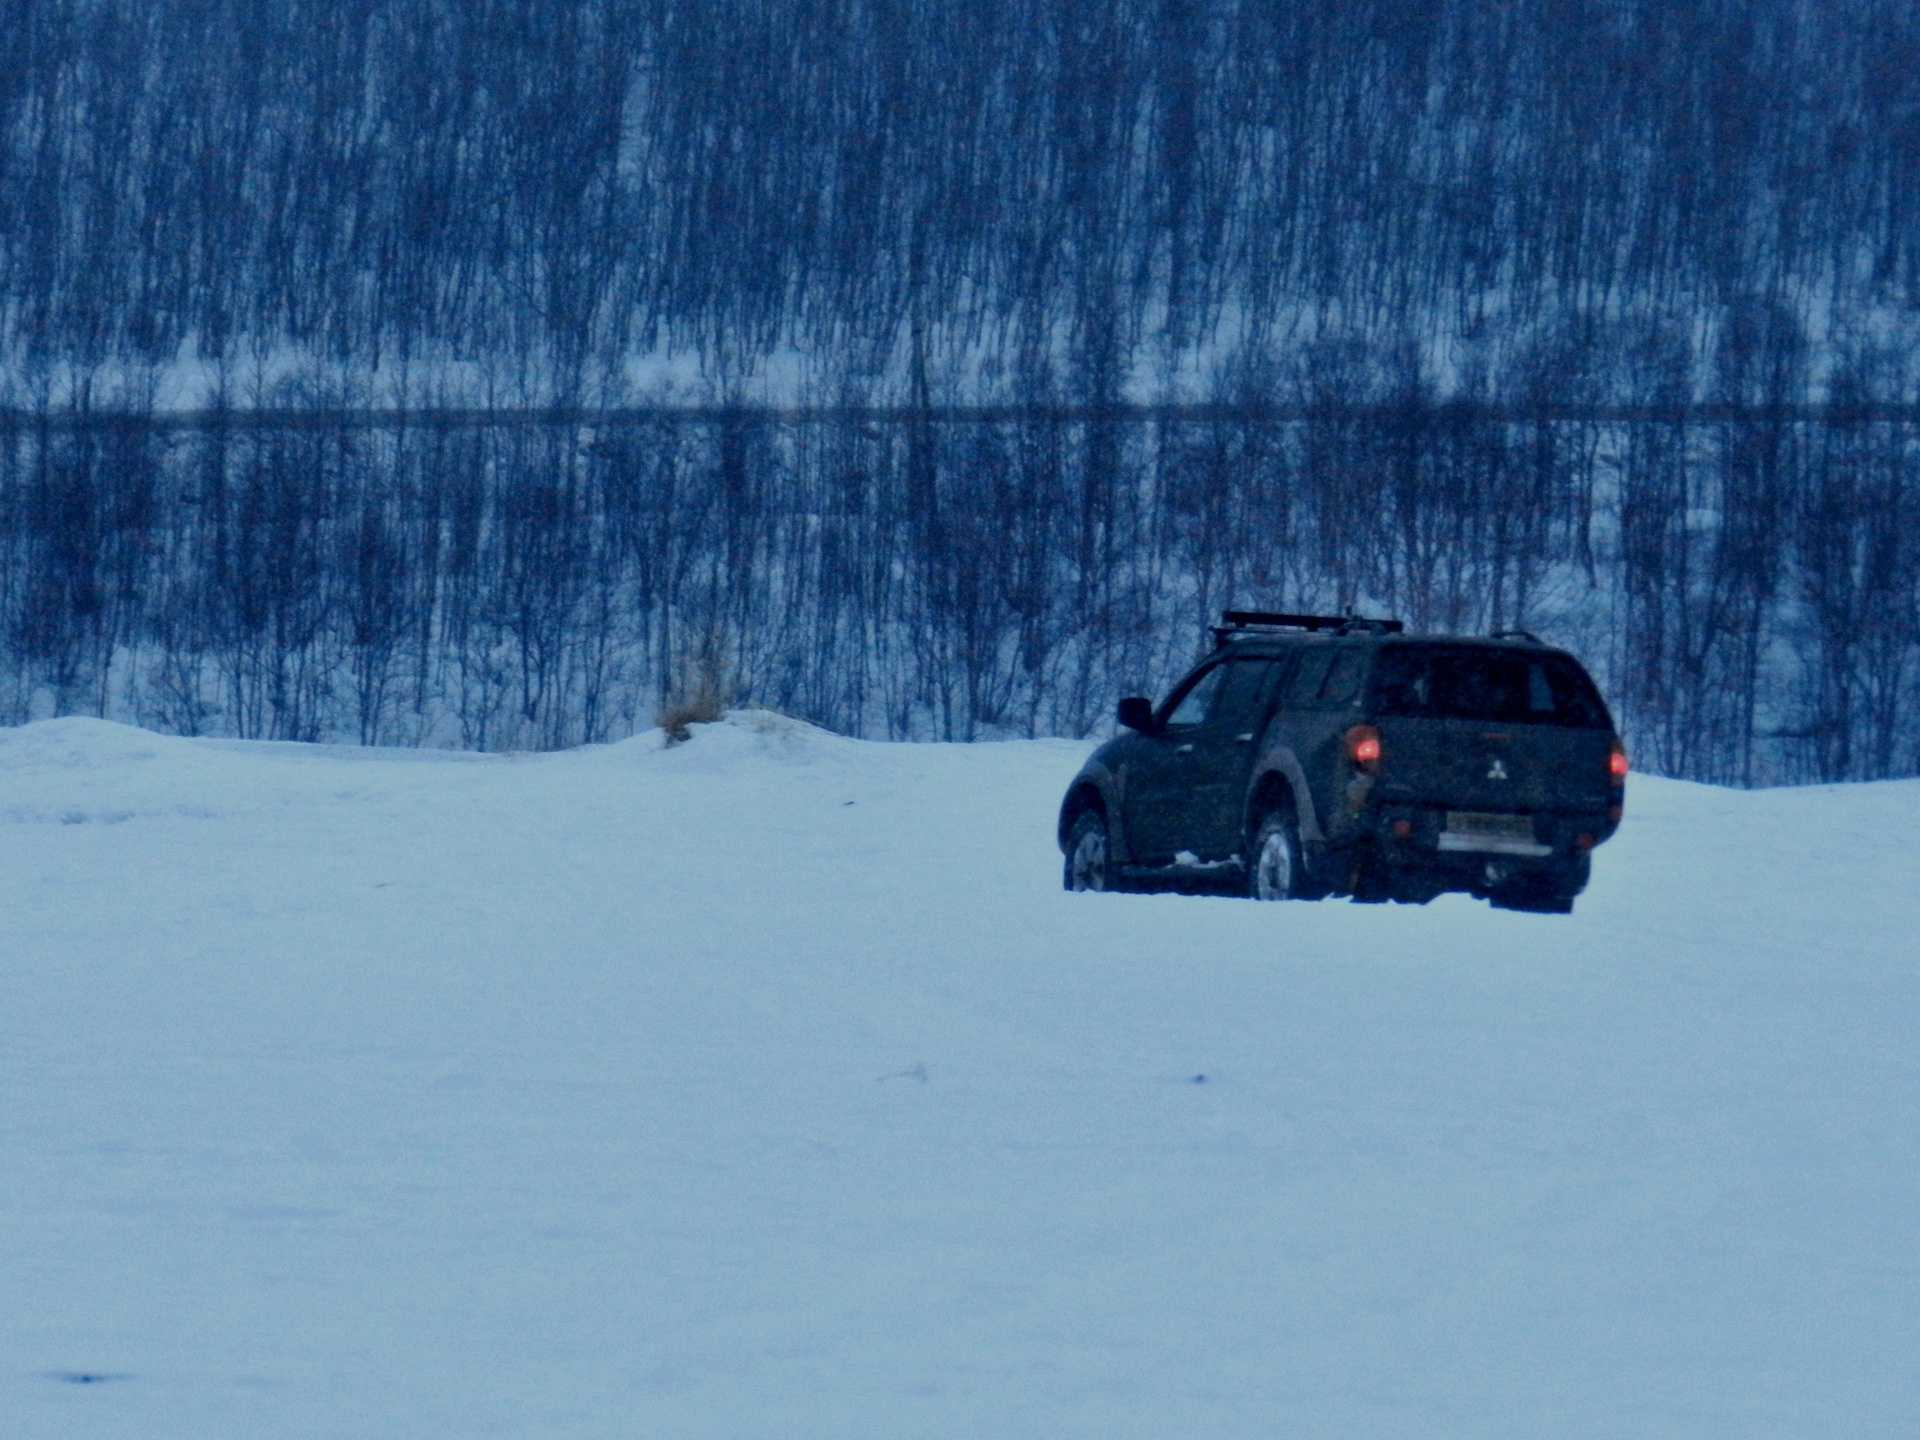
(1617, 763)
(1363, 744)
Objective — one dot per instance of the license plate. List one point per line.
(1491, 834)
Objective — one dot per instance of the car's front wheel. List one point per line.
(1089, 854)
(1276, 872)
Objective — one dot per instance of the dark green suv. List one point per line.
(1316, 755)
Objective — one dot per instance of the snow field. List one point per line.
(386, 1093)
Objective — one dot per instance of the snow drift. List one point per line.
(768, 1085)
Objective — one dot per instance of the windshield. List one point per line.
(1471, 682)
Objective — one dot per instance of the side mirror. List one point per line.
(1136, 713)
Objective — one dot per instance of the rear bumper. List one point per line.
(1490, 845)
(1543, 839)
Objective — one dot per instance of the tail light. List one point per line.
(1363, 744)
(1617, 764)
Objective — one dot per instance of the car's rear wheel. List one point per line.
(1542, 892)
(1276, 872)
(1089, 864)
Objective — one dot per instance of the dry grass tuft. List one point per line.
(706, 690)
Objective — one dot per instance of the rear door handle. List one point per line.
(1186, 749)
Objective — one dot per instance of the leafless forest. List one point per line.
(420, 372)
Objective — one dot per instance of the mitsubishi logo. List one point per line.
(1497, 770)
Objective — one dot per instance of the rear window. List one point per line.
(1468, 682)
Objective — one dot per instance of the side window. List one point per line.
(1240, 692)
(1307, 678)
(1191, 708)
(1343, 683)
(1278, 674)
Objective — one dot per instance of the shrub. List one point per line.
(705, 691)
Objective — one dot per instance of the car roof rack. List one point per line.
(1240, 622)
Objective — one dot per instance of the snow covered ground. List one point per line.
(768, 1086)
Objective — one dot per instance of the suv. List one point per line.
(1314, 755)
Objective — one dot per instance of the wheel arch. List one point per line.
(1270, 791)
(1083, 795)
(1280, 780)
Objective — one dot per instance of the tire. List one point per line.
(1541, 892)
(1276, 871)
(1089, 859)
(1414, 887)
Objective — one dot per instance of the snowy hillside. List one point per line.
(769, 1086)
